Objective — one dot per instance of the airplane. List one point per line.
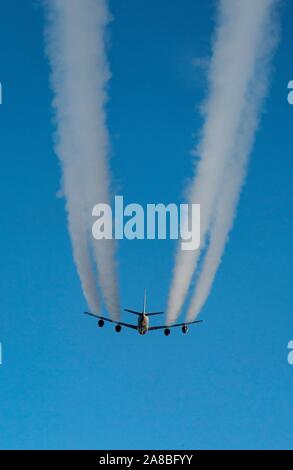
(143, 326)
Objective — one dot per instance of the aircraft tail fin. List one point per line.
(144, 302)
(144, 312)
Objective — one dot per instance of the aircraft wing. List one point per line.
(173, 326)
(128, 325)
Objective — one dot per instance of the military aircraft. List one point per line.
(143, 326)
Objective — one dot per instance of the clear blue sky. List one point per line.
(64, 383)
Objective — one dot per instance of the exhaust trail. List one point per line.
(80, 74)
(225, 212)
(244, 41)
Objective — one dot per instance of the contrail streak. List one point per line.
(225, 211)
(242, 47)
(76, 49)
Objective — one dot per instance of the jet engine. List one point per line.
(118, 328)
(167, 331)
(101, 323)
(184, 329)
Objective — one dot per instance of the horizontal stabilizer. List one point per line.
(132, 311)
(153, 313)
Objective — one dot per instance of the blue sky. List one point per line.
(65, 384)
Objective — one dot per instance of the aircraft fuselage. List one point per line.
(143, 324)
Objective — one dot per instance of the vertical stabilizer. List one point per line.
(144, 302)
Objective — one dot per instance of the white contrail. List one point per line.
(76, 48)
(242, 46)
(225, 211)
